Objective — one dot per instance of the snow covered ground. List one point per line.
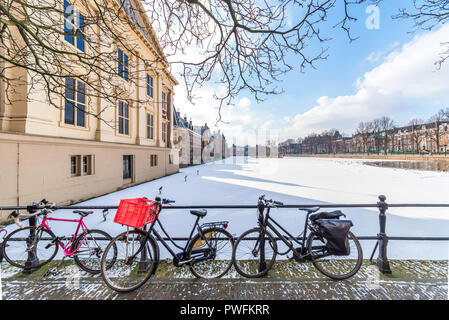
(311, 181)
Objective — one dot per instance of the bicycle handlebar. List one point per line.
(270, 201)
(43, 206)
(163, 201)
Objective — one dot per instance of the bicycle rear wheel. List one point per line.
(246, 254)
(212, 252)
(29, 243)
(89, 249)
(332, 266)
(124, 271)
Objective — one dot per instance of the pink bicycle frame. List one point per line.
(68, 248)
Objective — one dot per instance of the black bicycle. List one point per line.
(255, 250)
(207, 254)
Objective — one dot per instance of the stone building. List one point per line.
(186, 140)
(67, 155)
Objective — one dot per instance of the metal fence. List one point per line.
(382, 238)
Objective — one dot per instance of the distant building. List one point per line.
(186, 140)
(290, 146)
(213, 144)
(432, 137)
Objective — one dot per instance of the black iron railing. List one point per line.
(382, 238)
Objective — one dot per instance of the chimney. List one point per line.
(185, 117)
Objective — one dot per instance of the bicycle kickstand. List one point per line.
(374, 251)
(54, 271)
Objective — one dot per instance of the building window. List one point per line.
(150, 119)
(123, 65)
(153, 160)
(149, 86)
(75, 165)
(164, 132)
(81, 165)
(75, 102)
(87, 165)
(123, 118)
(73, 26)
(127, 167)
(164, 101)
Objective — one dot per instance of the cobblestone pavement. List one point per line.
(423, 280)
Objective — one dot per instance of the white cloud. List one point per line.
(408, 72)
(375, 57)
(244, 102)
(237, 120)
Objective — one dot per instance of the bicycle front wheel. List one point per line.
(129, 260)
(333, 266)
(211, 253)
(247, 253)
(33, 244)
(89, 250)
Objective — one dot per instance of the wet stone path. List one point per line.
(423, 280)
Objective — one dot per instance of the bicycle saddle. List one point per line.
(310, 210)
(83, 213)
(199, 213)
(326, 215)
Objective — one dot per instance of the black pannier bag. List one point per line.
(335, 232)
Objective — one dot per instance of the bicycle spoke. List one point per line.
(89, 250)
(124, 270)
(18, 249)
(247, 254)
(333, 266)
(212, 254)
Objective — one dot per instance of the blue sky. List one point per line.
(356, 79)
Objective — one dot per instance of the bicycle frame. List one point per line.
(178, 258)
(68, 249)
(264, 223)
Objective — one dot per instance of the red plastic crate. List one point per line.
(135, 212)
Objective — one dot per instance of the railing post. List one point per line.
(382, 261)
(262, 262)
(33, 259)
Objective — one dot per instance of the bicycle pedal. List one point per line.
(52, 243)
(50, 272)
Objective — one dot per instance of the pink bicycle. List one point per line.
(37, 246)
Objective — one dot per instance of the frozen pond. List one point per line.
(311, 181)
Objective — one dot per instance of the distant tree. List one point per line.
(416, 134)
(377, 132)
(386, 127)
(436, 133)
(427, 15)
(364, 132)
